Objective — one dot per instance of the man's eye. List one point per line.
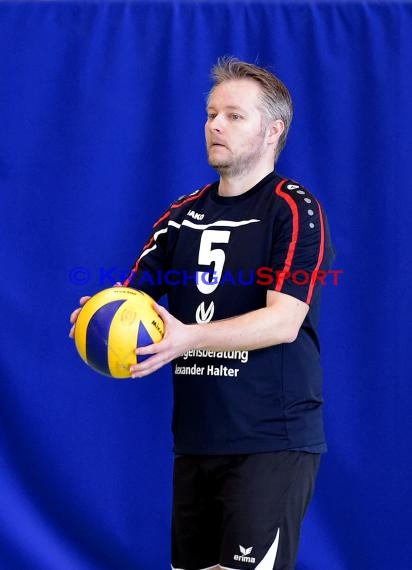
(235, 116)
(211, 115)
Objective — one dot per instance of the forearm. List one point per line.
(257, 329)
(277, 323)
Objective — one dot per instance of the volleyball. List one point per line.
(111, 325)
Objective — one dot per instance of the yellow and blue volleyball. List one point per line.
(111, 325)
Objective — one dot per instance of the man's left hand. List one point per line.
(178, 338)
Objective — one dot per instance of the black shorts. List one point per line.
(242, 512)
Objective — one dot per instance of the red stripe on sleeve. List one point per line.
(190, 198)
(295, 233)
(136, 265)
(166, 215)
(161, 219)
(174, 206)
(320, 257)
(127, 281)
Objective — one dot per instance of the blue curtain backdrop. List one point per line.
(101, 127)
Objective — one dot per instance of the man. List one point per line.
(246, 252)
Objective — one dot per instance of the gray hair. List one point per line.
(276, 102)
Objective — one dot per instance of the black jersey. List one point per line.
(216, 257)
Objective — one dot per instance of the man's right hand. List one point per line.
(75, 314)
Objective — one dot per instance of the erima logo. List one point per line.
(195, 215)
(244, 556)
(292, 186)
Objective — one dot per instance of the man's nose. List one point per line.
(216, 124)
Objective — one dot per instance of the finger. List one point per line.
(139, 372)
(149, 349)
(84, 299)
(162, 312)
(118, 284)
(74, 315)
(143, 365)
(71, 333)
(146, 368)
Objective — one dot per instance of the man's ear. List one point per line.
(276, 128)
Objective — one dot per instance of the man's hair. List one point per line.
(276, 102)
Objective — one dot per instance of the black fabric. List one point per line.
(242, 401)
(240, 511)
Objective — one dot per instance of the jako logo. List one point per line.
(195, 215)
(244, 556)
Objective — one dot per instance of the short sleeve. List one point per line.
(146, 273)
(302, 250)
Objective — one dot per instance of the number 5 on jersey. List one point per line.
(207, 281)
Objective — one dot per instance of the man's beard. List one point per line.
(239, 165)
